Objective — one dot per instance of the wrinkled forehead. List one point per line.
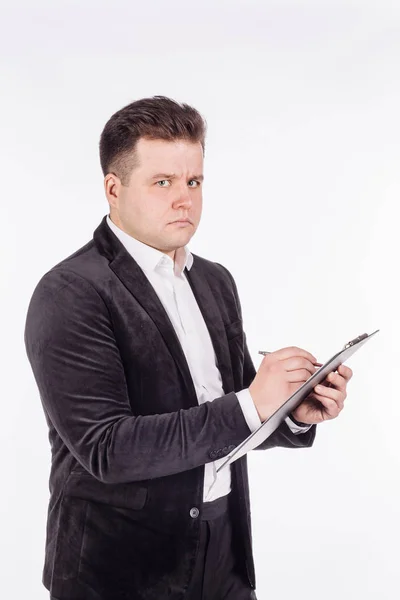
(179, 158)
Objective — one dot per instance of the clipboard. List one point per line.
(269, 425)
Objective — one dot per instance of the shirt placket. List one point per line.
(200, 386)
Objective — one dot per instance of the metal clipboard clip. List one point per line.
(355, 341)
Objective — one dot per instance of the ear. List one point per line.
(112, 188)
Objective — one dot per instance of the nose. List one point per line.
(184, 198)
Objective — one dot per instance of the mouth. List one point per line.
(187, 221)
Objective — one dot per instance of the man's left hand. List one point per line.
(327, 399)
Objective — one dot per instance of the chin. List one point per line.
(185, 232)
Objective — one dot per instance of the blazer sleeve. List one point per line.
(71, 346)
(282, 436)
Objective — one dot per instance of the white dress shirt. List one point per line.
(169, 282)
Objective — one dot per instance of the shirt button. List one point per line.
(194, 512)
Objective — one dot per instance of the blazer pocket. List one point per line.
(69, 537)
(122, 495)
(234, 329)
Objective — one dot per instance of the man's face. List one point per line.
(164, 187)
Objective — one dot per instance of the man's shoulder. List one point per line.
(86, 265)
(212, 269)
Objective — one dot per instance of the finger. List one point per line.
(346, 372)
(331, 394)
(337, 381)
(298, 376)
(332, 409)
(292, 351)
(299, 363)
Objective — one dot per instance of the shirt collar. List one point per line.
(150, 259)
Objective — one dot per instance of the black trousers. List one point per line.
(216, 576)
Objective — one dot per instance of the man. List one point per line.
(139, 354)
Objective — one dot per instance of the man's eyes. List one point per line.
(164, 180)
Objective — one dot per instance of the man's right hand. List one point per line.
(280, 374)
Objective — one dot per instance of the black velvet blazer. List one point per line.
(128, 438)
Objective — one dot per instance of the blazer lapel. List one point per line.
(212, 316)
(133, 278)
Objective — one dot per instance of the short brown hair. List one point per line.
(153, 118)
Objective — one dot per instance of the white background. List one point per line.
(301, 199)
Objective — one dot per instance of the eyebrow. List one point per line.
(173, 176)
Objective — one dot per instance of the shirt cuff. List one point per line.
(296, 429)
(249, 409)
(252, 418)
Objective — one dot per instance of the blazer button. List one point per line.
(213, 454)
(194, 513)
(232, 447)
(225, 449)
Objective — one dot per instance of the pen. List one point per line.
(265, 352)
